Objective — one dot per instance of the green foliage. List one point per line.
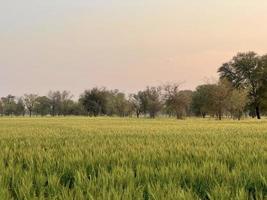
(42, 106)
(177, 102)
(112, 158)
(236, 103)
(248, 71)
(152, 100)
(30, 102)
(95, 101)
(203, 100)
(8, 105)
(20, 108)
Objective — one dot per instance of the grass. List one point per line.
(112, 158)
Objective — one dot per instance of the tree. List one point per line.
(202, 100)
(152, 97)
(143, 98)
(117, 104)
(9, 105)
(94, 101)
(246, 70)
(20, 107)
(30, 101)
(75, 108)
(110, 107)
(237, 102)
(66, 102)
(136, 104)
(263, 89)
(219, 98)
(177, 101)
(211, 99)
(42, 106)
(55, 100)
(121, 104)
(188, 94)
(1, 108)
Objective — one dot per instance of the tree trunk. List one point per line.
(53, 111)
(178, 116)
(152, 115)
(239, 115)
(137, 114)
(30, 113)
(258, 112)
(220, 116)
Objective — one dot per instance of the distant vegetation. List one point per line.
(241, 91)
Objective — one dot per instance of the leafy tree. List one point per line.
(9, 105)
(20, 107)
(176, 101)
(66, 102)
(110, 107)
(30, 101)
(202, 100)
(263, 89)
(55, 100)
(237, 101)
(121, 104)
(246, 70)
(75, 108)
(211, 99)
(1, 108)
(42, 106)
(94, 101)
(154, 101)
(219, 98)
(144, 101)
(186, 95)
(117, 104)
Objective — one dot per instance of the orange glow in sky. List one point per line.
(124, 44)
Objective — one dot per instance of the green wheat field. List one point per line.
(114, 158)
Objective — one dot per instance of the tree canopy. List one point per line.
(240, 91)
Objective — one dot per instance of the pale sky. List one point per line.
(125, 44)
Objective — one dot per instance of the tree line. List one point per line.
(240, 91)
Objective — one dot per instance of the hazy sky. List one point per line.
(124, 44)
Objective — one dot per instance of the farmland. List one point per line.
(124, 158)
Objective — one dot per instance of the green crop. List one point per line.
(114, 158)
